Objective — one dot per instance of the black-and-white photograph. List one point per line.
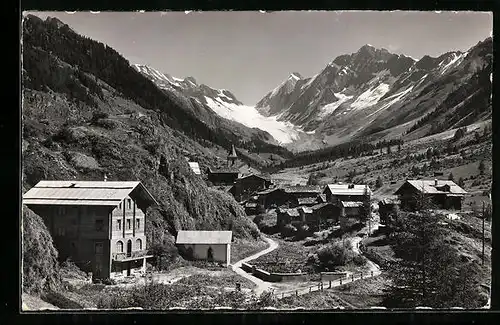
(254, 160)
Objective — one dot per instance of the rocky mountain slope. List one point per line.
(87, 112)
(377, 93)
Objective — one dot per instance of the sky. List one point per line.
(250, 53)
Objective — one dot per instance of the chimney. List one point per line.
(105, 177)
(435, 182)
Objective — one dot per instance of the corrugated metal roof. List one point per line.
(429, 186)
(343, 189)
(195, 167)
(204, 237)
(109, 193)
(352, 204)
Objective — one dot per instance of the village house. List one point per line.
(273, 198)
(212, 246)
(222, 176)
(386, 208)
(248, 185)
(286, 216)
(306, 201)
(100, 225)
(307, 191)
(336, 193)
(326, 213)
(444, 194)
(350, 213)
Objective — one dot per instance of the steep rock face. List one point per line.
(360, 94)
(282, 96)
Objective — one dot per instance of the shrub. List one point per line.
(359, 260)
(332, 256)
(40, 265)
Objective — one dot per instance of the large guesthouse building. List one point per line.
(100, 225)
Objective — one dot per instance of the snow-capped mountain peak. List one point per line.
(222, 103)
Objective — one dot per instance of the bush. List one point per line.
(40, 265)
(359, 260)
(332, 256)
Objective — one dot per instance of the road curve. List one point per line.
(261, 285)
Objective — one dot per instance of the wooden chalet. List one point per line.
(250, 184)
(386, 208)
(350, 212)
(286, 216)
(337, 193)
(273, 198)
(444, 194)
(223, 176)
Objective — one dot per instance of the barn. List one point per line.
(212, 246)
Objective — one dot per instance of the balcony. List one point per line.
(131, 256)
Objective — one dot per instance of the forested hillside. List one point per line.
(86, 112)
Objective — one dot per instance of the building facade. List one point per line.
(99, 225)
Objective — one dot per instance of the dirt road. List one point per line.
(261, 285)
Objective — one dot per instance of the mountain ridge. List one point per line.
(356, 94)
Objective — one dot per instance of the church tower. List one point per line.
(231, 158)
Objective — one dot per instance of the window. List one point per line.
(129, 224)
(61, 211)
(138, 244)
(119, 224)
(61, 231)
(99, 225)
(137, 223)
(120, 206)
(99, 247)
(129, 204)
(119, 247)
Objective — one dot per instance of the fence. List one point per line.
(322, 285)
